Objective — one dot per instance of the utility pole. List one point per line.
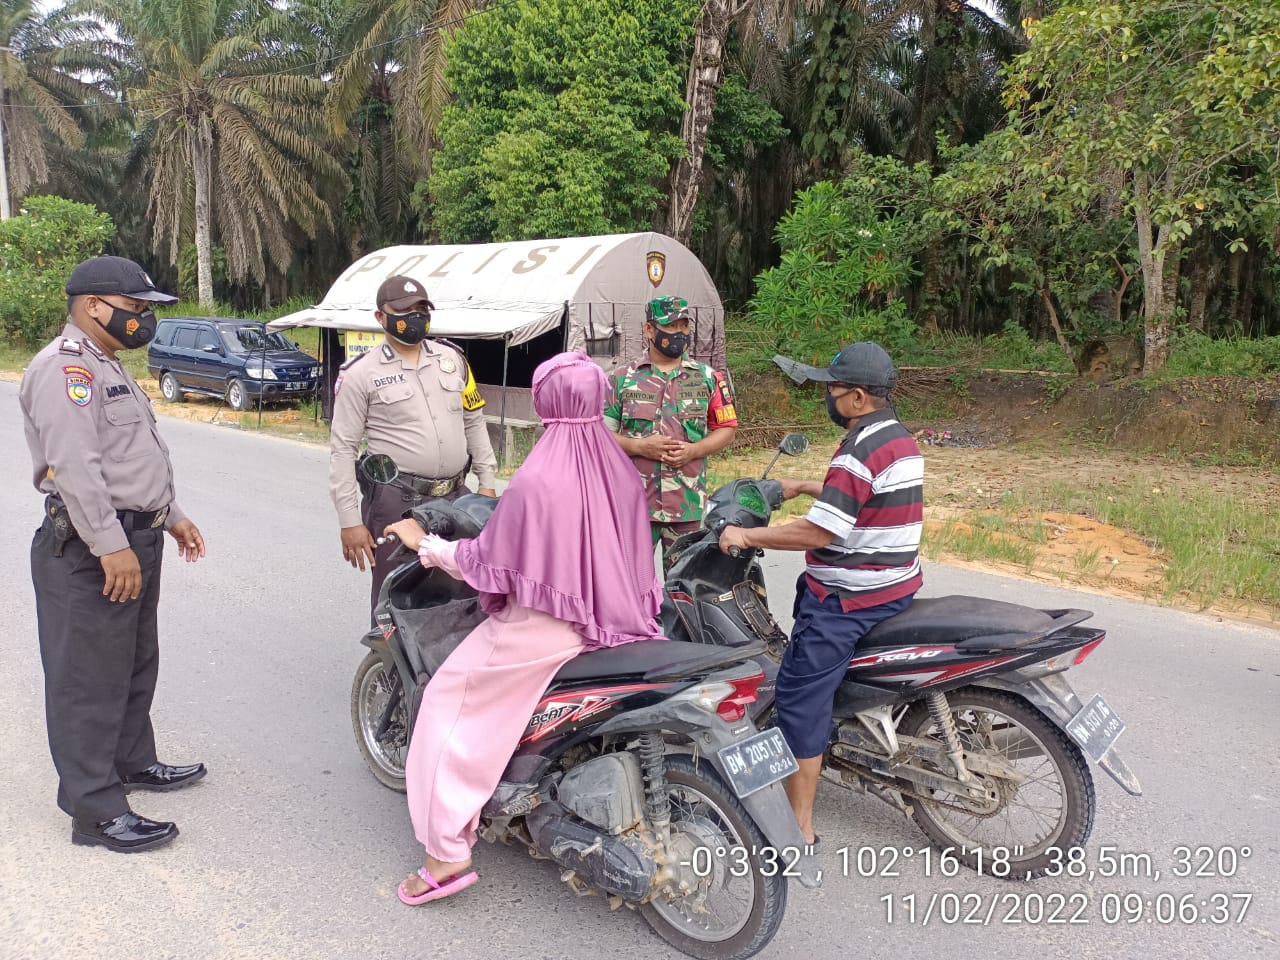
(5, 212)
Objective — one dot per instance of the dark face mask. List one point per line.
(671, 344)
(409, 328)
(838, 418)
(131, 330)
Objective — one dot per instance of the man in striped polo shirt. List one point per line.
(862, 537)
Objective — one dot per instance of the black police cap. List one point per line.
(114, 275)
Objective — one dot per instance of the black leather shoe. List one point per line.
(163, 776)
(127, 833)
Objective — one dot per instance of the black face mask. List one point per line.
(131, 330)
(409, 328)
(838, 418)
(671, 344)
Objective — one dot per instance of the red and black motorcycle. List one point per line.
(640, 773)
(957, 712)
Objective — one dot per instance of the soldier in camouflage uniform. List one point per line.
(669, 414)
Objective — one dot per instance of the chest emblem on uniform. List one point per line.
(80, 389)
(448, 365)
(656, 262)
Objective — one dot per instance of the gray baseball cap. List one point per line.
(119, 275)
(861, 364)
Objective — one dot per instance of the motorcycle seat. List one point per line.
(951, 620)
(661, 658)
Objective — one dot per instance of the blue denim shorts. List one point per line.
(823, 641)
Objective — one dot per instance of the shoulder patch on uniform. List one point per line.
(387, 352)
(471, 397)
(80, 389)
(71, 347)
(78, 371)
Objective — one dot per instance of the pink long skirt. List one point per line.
(473, 713)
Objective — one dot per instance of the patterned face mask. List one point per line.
(409, 328)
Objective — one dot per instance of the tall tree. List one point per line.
(563, 121)
(765, 25)
(51, 67)
(1182, 99)
(229, 117)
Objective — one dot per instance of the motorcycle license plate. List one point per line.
(754, 763)
(1096, 728)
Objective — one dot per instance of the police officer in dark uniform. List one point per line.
(95, 561)
(416, 400)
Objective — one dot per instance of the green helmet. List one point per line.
(662, 310)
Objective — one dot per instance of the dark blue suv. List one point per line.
(236, 359)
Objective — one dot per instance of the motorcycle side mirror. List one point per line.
(794, 444)
(379, 468)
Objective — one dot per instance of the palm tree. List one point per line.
(766, 27)
(384, 102)
(43, 59)
(229, 124)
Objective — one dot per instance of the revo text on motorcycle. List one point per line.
(956, 712)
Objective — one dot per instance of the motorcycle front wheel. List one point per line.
(736, 909)
(373, 688)
(1028, 826)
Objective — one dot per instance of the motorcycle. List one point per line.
(640, 773)
(956, 712)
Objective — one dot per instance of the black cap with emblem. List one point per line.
(400, 294)
(114, 275)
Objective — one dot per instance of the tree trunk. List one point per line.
(706, 70)
(201, 161)
(1203, 273)
(5, 211)
(1155, 247)
(931, 288)
(1057, 328)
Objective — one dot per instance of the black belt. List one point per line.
(142, 519)
(431, 487)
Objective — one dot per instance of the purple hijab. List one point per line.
(570, 536)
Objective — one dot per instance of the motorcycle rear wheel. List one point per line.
(702, 803)
(1059, 776)
(370, 690)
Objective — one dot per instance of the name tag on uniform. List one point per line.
(387, 381)
(692, 393)
(117, 390)
(638, 396)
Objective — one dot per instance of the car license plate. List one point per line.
(758, 761)
(1095, 728)
(296, 386)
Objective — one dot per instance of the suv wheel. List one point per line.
(237, 396)
(169, 388)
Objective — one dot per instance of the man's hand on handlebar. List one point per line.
(733, 540)
(357, 544)
(409, 532)
(799, 488)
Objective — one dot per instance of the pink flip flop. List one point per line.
(436, 891)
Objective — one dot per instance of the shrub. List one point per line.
(38, 250)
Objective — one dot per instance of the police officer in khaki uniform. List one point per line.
(95, 561)
(417, 401)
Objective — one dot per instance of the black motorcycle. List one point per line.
(956, 712)
(640, 772)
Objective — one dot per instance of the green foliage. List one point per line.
(846, 255)
(188, 273)
(38, 250)
(744, 123)
(1195, 355)
(564, 120)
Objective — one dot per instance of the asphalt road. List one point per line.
(290, 849)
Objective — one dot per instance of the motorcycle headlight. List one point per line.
(260, 373)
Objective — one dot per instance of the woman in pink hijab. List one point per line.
(565, 564)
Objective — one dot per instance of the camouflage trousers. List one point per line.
(668, 533)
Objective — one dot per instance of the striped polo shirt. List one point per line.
(872, 502)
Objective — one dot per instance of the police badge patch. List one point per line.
(656, 262)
